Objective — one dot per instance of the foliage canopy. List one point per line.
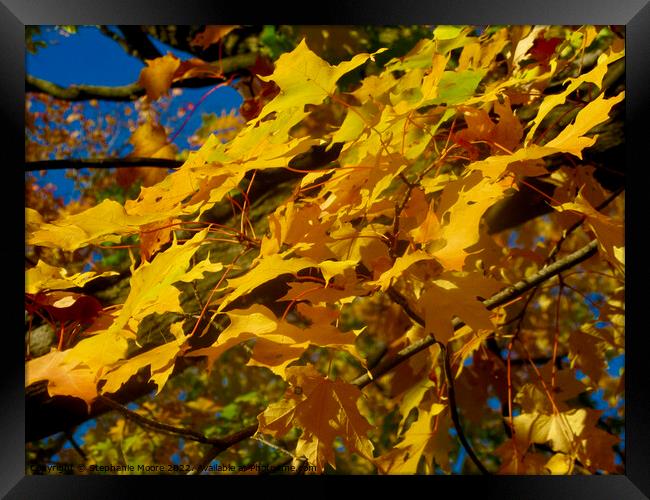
(362, 212)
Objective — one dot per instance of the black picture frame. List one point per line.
(634, 14)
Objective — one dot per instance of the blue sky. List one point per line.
(89, 57)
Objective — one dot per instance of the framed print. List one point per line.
(386, 242)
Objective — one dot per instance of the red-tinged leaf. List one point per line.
(66, 306)
(543, 48)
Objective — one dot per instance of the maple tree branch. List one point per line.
(316, 157)
(133, 41)
(496, 300)
(83, 92)
(78, 163)
(451, 391)
(189, 434)
(551, 257)
(274, 446)
(403, 302)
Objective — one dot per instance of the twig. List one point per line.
(226, 443)
(159, 426)
(274, 446)
(453, 407)
(75, 445)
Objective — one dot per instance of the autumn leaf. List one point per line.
(160, 361)
(304, 78)
(62, 380)
(65, 306)
(45, 277)
(101, 223)
(610, 233)
(446, 299)
(155, 235)
(151, 284)
(266, 269)
(325, 410)
(158, 75)
(212, 34)
(422, 439)
(595, 76)
(465, 201)
(277, 342)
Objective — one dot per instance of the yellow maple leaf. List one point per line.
(465, 201)
(420, 440)
(151, 283)
(98, 352)
(278, 342)
(46, 277)
(571, 139)
(304, 78)
(160, 360)
(149, 140)
(401, 264)
(594, 76)
(559, 430)
(101, 223)
(264, 270)
(456, 295)
(560, 464)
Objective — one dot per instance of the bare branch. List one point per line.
(77, 163)
(153, 424)
(189, 434)
(138, 42)
(226, 443)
